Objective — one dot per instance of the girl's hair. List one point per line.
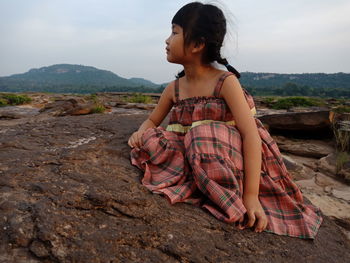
(204, 24)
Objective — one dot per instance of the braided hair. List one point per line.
(204, 24)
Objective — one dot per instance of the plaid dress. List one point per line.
(198, 159)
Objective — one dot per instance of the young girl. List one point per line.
(214, 152)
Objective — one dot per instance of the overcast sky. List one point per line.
(128, 37)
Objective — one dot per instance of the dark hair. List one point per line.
(204, 23)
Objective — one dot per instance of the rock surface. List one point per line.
(68, 193)
(309, 122)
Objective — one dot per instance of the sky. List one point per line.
(128, 37)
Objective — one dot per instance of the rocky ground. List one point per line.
(68, 193)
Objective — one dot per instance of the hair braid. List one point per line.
(223, 61)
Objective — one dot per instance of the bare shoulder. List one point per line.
(231, 84)
(169, 91)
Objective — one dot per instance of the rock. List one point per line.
(17, 112)
(307, 109)
(80, 109)
(309, 184)
(143, 106)
(69, 107)
(329, 205)
(59, 106)
(311, 122)
(309, 148)
(267, 111)
(120, 103)
(329, 164)
(297, 170)
(71, 195)
(342, 194)
(327, 181)
(39, 249)
(9, 115)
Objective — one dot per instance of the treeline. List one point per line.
(315, 80)
(288, 89)
(292, 89)
(83, 89)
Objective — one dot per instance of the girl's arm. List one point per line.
(163, 107)
(245, 122)
(156, 117)
(234, 96)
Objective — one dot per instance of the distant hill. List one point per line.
(67, 78)
(55, 77)
(315, 80)
(144, 82)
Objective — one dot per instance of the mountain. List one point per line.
(55, 77)
(67, 78)
(143, 82)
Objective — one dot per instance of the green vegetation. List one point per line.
(341, 109)
(342, 136)
(93, 97)
(289, 102)
(3, 102)
(98, 105)
(341, 159)
(269, 101)
(13, 99)
(98, 109)
(139, 98)
(273, 88)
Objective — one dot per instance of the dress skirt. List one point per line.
(205, 167)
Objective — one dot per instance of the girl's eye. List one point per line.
(174, 33)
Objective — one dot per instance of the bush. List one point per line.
(341, 109)
(93, 97)
(13, 99)
(287, 103)
(139, 98)
(98, 109)
(269, 101)
(341, 159)
(3, 102)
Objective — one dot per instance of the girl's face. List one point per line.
(175, 45)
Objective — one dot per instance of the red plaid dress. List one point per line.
(198, 159)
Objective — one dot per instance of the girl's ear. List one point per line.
(198, 46)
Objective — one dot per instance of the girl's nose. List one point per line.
(167, 41)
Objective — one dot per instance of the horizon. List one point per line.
(141, 77)
(290, 37)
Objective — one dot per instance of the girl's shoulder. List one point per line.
(169, 91)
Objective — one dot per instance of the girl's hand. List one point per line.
(255, 213)
(135, 139)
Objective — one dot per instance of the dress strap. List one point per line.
(220, 82)
(177, 90)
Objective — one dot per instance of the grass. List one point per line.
(342, 136)
(139, 98)
(341, 159)
(93, 97)
(269, 101)
(341, 109)
(13, 99)
(98, 109)
(3, 102)
(287, 103)
(98, 106)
